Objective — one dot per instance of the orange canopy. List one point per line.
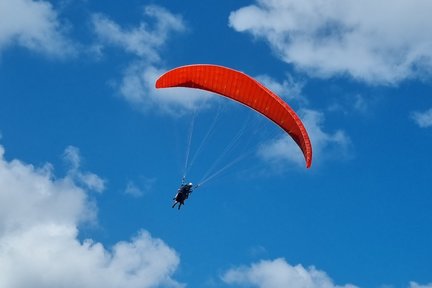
(244, 89)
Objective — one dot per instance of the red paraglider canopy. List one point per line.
(244, 89)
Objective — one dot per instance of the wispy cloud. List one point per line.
(39, 223)
(371, 41)
(423, 119)
(144, 186)
(279, 274)
(90, 180)
(416, 285)
(142, 40)
(34, 25)
(325, 145)
(145, 42)
(289, 88)
(137, 87)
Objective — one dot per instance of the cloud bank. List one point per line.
(39, 224)
(34, 25)
(372, 41)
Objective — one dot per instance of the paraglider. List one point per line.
(182, 194)
(242, 88)
(237, 86)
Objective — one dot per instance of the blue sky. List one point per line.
(92, 154)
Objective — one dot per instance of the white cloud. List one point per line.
(72, 156)
(416, 285)
(39, 221)
(138, 87)
(143, 40)
(324, 145)
(29, 196)
(133, 190)
(370, 40)
(423, 119)
(90, 180)
(288, 89)
(279, 274)
(144, 185)
(35, 26)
